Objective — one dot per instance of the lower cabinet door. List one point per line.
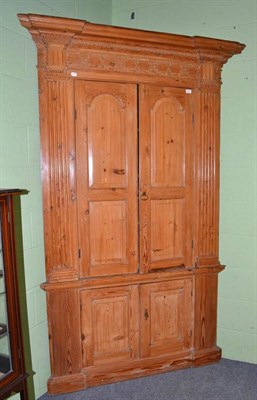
(110, 325)
(166, 317)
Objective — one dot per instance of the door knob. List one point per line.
(144, 196)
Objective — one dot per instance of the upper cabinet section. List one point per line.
(71, 48)
(129, 123)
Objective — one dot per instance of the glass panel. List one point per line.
(5, 352)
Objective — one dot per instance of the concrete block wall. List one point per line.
(19, 147)
(231, 20)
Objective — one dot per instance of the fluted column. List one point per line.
(207, 166)
(56, 101)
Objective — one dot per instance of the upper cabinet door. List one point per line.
(106, 142)
(166, 173)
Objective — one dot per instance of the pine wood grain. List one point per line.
(130, 171)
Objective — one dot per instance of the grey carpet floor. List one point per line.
(228, 380)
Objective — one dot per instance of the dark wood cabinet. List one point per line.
(130, 171)
(12, 368)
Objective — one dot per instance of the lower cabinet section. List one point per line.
(115, 333)
(112, 330)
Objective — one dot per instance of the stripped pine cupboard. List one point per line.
(129, 125)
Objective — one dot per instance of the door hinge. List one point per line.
(75, 113)
(79, 253)
(193, 119)
(192, 244)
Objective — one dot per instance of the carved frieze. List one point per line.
(103, 62)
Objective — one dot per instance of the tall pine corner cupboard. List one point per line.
(130, 125)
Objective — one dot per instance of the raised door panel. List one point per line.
(109, 325)
(166, 176)
(166, 317)
(106, 131)
(106, 143)
(108, 241)
(167, 218)
(167, 142)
